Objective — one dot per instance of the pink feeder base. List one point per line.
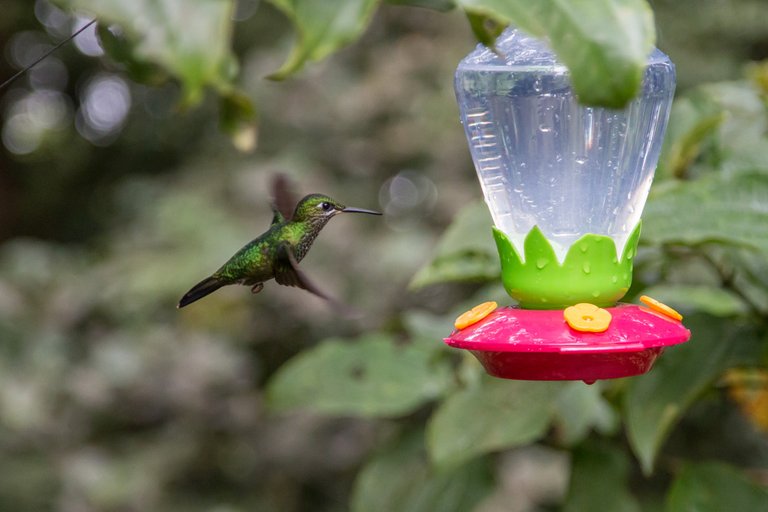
(514, 343)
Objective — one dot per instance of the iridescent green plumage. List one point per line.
(277, 252)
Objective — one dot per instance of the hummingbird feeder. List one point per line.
(565, 184)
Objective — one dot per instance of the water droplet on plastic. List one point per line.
(537, 85)
(541, 263)
(586, 268)
(595, 294)
(614, 279)
(545, 129)
(583, 247)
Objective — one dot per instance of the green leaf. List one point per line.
(188, 38)
(691, 125)
(485, 28)
(742, 134)
(703, 298)
(729, 210)
(493, 414)
(716, 127)
(435, 5)
(466, 251)
(237, 118)
(400, 479)
(323, 27)
(751, 276)
(580, 408)
(120, 50)
(604, 43)
(427, 330)
(714, 487)
(372, 376)
(599, 480)
(655, 402)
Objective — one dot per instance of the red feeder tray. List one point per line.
(514, 343)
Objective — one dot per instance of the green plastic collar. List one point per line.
(590, 272)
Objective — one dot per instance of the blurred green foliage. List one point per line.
(190, 39)
(603, 42)
(112, 400)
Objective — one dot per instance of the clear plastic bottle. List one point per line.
(544, 159)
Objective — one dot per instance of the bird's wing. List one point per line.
(288, 273)
(283, 199)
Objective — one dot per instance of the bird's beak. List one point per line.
(350, 209)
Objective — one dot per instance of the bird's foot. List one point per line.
(257, 288)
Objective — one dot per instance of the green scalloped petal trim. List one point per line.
(590, 272)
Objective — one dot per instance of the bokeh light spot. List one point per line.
(105, 103)
(29, 119)
(407, 196)
(87, 41)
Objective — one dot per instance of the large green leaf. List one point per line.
(580, 408)
(372, 376)
(604, 43)
(655, 402)
(466, 251)
(428, 330)
(751, 277)
(323, 27)
(692, 126)
(714, 487)
(703, 298)
(599, 480)
(730, 210)
(742, 134)
(188, 38)
(492, 414)
(400, 479)
(720, 126)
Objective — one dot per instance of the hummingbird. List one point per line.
(277, 252)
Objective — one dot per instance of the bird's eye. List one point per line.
(326, 206)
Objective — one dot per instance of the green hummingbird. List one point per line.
(277, 252)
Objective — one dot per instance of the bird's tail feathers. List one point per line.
(200, 290)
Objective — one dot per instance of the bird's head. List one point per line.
(320, 208)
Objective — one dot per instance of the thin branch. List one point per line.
(46, 54)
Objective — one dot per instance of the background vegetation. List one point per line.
(125, 177)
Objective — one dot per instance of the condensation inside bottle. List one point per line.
(545, 160)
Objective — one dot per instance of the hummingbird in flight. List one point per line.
(277, 252)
